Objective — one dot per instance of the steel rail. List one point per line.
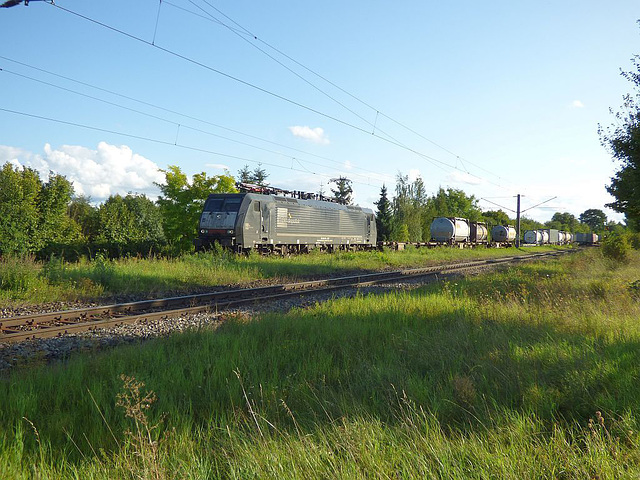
(75, 321)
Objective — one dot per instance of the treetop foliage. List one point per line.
(622, 140)
(343, 193)
(257, 176)
(181, 203)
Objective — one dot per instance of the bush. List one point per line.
(102, 270)
(616, 247)
(18, 274)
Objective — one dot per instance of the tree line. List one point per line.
(45, 218)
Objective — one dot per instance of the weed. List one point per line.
(102, 270)
(54, 269)
(464, 390)
(18, 273)
(143, 438)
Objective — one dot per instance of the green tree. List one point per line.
(529, 224)
(343, 193)
(383, 216)
(116, 225)
(244, 175)
(496, 217)
(407, 218)
(129, 225)
(402, 234)
(85, 215)
(258, 176)
(453, 202)
(595, 218)
(55, 225)
(148, 220)
(19, 215)
(563, 221)
(622, 139)
(182, 201)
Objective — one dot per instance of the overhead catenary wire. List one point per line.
(293, 72)
(183, 115)
(172, 122)
(538, 204)
(497, 205)
(376, 110)
(155, 30)
(168, 143)
(428, 158)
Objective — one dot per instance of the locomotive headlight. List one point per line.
(230, 231)
(203, 231)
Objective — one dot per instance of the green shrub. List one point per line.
(102, 270)
(19, 274)
(54, 269)
(616, 247)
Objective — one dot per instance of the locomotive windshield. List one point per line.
(223, 204)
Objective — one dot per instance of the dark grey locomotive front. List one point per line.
(218, 220)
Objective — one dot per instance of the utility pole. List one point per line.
(518, 223)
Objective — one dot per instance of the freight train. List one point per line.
(273, 220)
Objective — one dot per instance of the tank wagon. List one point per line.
(545, 237)
(479, 232)
(450, 230)
(586, 238)
(554, 236)
(268, 222)
(533, 237)
(536, 237)
(503, 234)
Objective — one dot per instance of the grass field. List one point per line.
(25, 281)
(529, 372)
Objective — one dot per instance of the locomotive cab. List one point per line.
(219, 219)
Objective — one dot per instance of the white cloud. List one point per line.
(315, 135)
(217, 166)
(347, 165)
(577, 104)
(108, 170)
(457, 176)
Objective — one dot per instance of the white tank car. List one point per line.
(450, 230)
(503, 234)
(533, 236)
(545, 236)
(479, 232)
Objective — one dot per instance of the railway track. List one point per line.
(47, 325)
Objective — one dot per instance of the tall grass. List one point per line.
(530, 372)
(25, 280)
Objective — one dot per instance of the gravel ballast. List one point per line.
(46, 350)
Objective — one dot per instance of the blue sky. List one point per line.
(499, 97)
